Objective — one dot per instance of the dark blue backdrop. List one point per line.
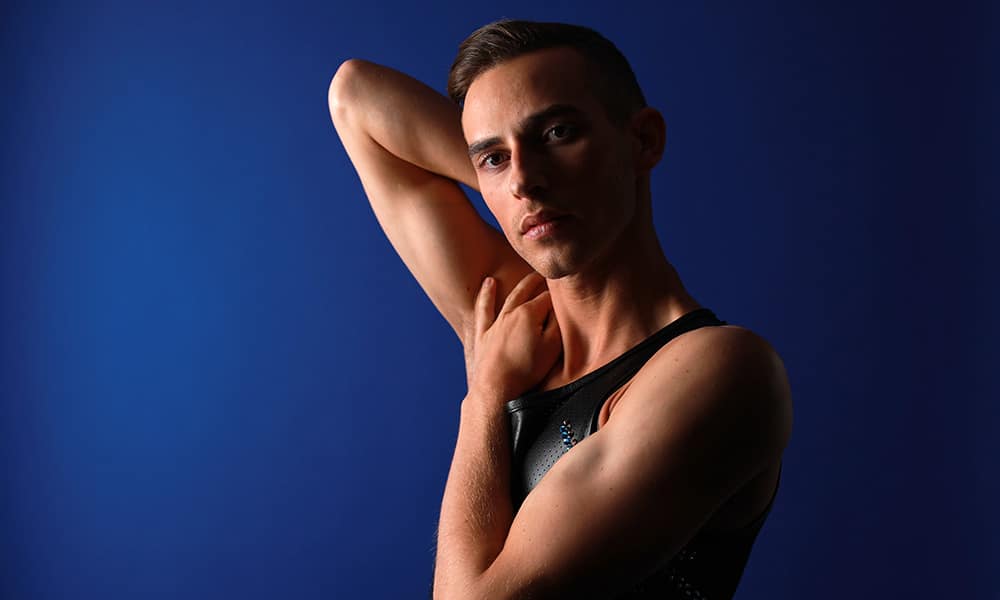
(219, 381)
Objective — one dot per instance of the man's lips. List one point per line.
(539, 218)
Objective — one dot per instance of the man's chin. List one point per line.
(553, 267)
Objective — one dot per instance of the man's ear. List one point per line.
(650, 133)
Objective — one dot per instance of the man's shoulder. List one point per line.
(720, 373)
(709, 412)
(725, 353)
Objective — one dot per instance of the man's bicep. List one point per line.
(436, 231)
(599, 523)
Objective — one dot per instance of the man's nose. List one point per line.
(527, 179)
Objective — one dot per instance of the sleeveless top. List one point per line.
(545, 425)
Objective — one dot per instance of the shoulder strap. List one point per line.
(627, 365)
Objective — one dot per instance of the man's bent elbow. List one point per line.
(344, 88)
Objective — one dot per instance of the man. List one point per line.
(647, 434)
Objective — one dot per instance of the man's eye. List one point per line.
(492, 159)
(559, 132)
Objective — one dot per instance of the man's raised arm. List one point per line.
(406, 142)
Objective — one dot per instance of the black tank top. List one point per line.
(545, 425)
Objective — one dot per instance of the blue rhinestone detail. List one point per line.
(566, 431)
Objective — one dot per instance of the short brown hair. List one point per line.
(504, 40)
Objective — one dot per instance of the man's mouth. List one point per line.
(541, 223)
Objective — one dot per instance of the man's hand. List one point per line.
(507, 354)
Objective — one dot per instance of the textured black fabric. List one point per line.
(545, 425)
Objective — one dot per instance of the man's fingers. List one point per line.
(522, 292)
(540, 304)
(485, 309)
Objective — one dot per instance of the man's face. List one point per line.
(558, 175)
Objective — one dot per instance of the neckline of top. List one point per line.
(584, 379)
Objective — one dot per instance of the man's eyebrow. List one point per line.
(530, 122)
(477, 147)
(556, 110)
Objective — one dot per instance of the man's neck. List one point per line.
(614, 305)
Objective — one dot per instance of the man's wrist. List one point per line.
(483, 396)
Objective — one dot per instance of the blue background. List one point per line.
(219, 381)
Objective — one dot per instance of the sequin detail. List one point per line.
(682, 585)
(568, 438)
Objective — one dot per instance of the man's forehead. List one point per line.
(515, 89)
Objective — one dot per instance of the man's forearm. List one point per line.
(476, 511)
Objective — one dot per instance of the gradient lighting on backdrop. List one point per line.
(218, 380)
